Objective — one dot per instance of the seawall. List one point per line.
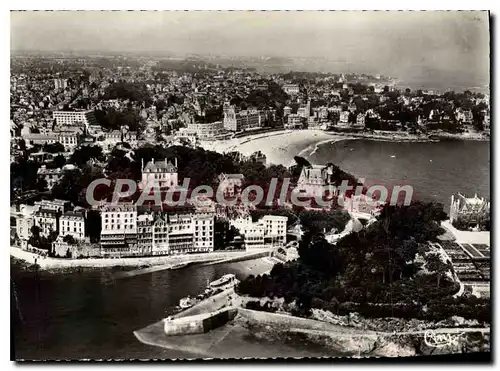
(167, 262)
(199, 324)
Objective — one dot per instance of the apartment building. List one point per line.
(145, 234)
(291, 89)
(74, 117)
(344, 118)
(207, 130)
(68, 139)
(269, 231)
(173, 234)
(59, 206)
(119, 229)
(274, 229)
(204, 232)
(72, 223)
(241, 120)
(46, 220)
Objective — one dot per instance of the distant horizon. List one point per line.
(447, 47)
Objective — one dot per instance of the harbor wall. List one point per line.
(249, 256)
(199, 324)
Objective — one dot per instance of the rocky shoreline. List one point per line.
(399, 137)
(324, 334)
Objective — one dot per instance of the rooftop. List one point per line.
(160, 166)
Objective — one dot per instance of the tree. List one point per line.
(160, 105)
(434, 264)
(128, 90)
(59, 161)
(41, 185)
(93, 226)
(35, 231)
(69, 239)
(69, 187)
(53, 147)
(85, 153)
(320, 255)
(24, 174)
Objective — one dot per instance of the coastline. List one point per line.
(160, 262)
(277, 145)
(283, 335)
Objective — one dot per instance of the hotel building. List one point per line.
(242, 120)
(207, 130)
(73, 224)
(269, 231)
(71, 118)
(119, 229)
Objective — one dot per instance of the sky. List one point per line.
(400, 42)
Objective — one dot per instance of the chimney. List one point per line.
(153, 160)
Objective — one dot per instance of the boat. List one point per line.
(393, 156)
(225, 282)
(186, 302)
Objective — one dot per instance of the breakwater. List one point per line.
(322, 339)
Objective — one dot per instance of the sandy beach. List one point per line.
(279, 147)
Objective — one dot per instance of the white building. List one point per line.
(145, 233)
(68, 139)
(75, 117)
(55, 205)
(344, 117)
(159, 243)
(274, 229)
(314, 181)
(173, 234)
(208, 130)
(294, 121)
(119, 228)
(73, 224)
(470, 213)
(204, 232)
(60, 84)
(119, 218)
(291, 89)
(269, 231)
(24, 221)
(360, 120)
(241, 120)
(46, 220)
(163, 174)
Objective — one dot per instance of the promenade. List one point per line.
(162, 262)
